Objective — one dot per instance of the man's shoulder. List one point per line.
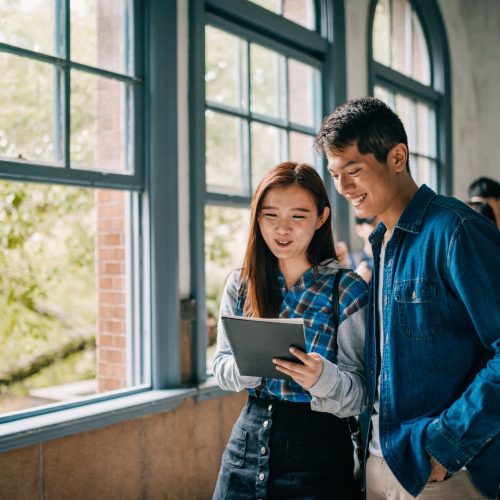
(447, 213)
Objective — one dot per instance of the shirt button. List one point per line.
(263, 450)
(413, 295)
(261, 476)
(265, 424)
(270, 407)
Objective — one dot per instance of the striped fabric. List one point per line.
(310, 298)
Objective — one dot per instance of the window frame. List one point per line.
(155, 178)
(437, 94)
(325, 47)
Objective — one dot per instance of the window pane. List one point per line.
(29, 25)
(399, 41)
(298, 11)
(226, 153)
(28, 101)
(382, 33)
(98, 33)
(424, 171)
(268, 96)
(405, 109)
(268, 149)
(303, 83)
(301, 148)
(98, 123)
(426, 130)
(225, 68)
(421, 70)
(65, 267)
(384, 95)
(226, 234)
(401, 36)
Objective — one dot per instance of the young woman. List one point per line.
(289, 441)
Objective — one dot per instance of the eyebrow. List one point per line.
(298, 209)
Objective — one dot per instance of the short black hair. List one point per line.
(367, 122)
(485, 188)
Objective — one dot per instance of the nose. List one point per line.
(343, 184)
(282, 225)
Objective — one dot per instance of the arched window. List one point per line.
(409, 70)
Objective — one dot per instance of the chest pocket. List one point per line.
(417, 309)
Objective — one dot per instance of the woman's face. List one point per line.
(288, 220)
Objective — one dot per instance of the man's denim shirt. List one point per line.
(440, 376)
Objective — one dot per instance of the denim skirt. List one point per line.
(281, 450)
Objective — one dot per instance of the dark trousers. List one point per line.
(281, 450)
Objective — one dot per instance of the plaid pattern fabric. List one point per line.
(310, 298)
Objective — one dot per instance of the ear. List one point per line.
(398, 157)
(322, 218)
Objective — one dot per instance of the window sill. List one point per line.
(58, 424)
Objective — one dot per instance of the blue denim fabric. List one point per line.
(279, 449)
(440, 376)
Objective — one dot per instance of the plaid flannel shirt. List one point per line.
(310, 299)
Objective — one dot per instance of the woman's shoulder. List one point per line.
(353, 290)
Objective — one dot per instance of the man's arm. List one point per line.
(462, 430)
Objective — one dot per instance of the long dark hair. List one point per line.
(260, 266)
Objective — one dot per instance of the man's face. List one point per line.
(369, 185)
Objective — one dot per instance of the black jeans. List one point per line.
(281, 450)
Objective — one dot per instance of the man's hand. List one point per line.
(438, 472)
(306, 373)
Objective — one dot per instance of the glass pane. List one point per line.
(399, 41)
(301, 148)
(225, 68)
(298, 11)
(226, 235)
(97, 123)
(267, 93)
(268, 149)
(382, 33)
(421, 70)
(29, 25)
(226, 153)
(426, 130)
(98, 33)
(384, 95)
(401, 36)
(405, 108)
(303, 83)
(424, 171)
(27, 101)
(65, 331)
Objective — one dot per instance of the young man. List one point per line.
(433, 328)
(485, 190)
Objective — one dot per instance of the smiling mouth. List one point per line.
(283, 243)
(358, 200)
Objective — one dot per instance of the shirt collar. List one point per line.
(412, 216)
(305, 281)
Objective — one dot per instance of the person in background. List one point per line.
(484, 209)
(289, 441)
(433, 323)
(364, 259)
(486, 190)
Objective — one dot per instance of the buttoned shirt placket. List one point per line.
(263, 460)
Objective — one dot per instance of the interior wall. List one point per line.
(170, 455)
(473, 30)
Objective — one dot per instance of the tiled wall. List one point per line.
(170, 455)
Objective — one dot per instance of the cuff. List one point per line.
(445, 448)
(327, 380)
